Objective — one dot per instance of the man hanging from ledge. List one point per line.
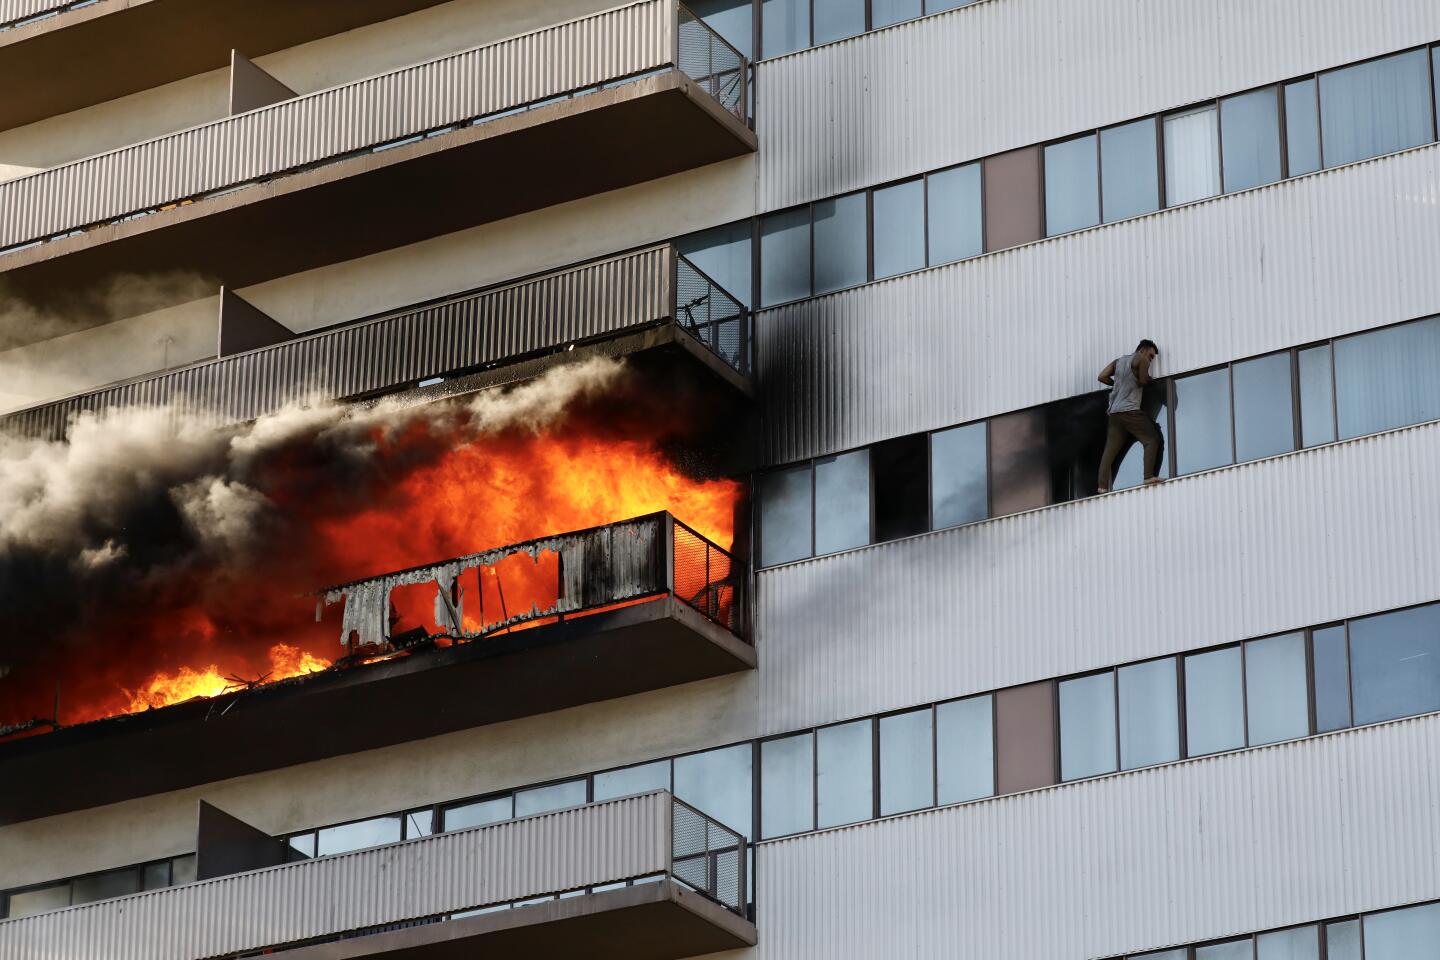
(1127, 376)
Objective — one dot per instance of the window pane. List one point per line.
(103, 886)
(785, 515)
(1264, 412)
(907, 772)
(182, 870)
(1317, 396)
(1234, 950)
(1072, 186)
(419, 823)
(1386, 378)
(784, 256)
(845, 772)
(1298, 943)
(842, 501)
(1180, 954)
(1302, 128)
(1395, 664)
(302, 847)
(632, 780)
(965, 749)
(1020, 460)
(1276, 694)
(555, 796)
(837, 19)
(1342, 940)
(358, 836)
(885, 12)
(840, 236)
(730, 19)
(1130, 173)
(1087, 726)
(958, 476)
(1376, 107)
(722, 254)
(39, 900)
(156, 876)
(1131, 470)
(899, 228)
(717, 782)
(1250, 138)
(494, 810)
(787, 784)
(1411, 934)
(785, 26)
(956, 226)
(1149, 714)
(1192, 156)
(1214, 711)
(1332, 678)
(902, 502)
(935, 6)
(1202, 421)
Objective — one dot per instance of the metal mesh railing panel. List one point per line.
(712, 315)
(706, 58)
(708, 579)
(708, 856)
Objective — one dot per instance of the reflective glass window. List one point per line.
(902, 499)
(1317, 396)
(1250, 139)
(842, 501)
(885, 12)
(785, 515)
(1180, 954)
(1376, 108)
(1409, 934)
(1264, 407)
(419, 823)
(965, 749)
(156, 876)
(1302, 127)
(1130, 174)
(1214, 704)
(1332, 678)
(1342, 940)
(103, 886)
(907, 762)
(1202, 421)
(1072, 186)
(729, 18)
(1386, 378)
(717, 782)
(1297, 943)
(40, 900)
(844, 758)
(554, 796)
(837, 19)
(899, 228)
(479, 813)
(182, 870)
(784, 26)
(1234, 950)
(723, 255)
(958, 484)
(1277, 696)
(784, 256)
(956, 226)
(787, 785)
(1130, 472)
(840, 243)
(632, 780)
(1087, 726)
(1192, 155)
(1395, 664)
(1149, 713)
(358, 836)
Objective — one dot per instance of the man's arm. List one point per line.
(1107, 376)
(1141, 365)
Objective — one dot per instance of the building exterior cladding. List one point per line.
(947, 667)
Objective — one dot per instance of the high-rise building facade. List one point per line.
(916, 687)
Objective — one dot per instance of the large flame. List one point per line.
(187, 683)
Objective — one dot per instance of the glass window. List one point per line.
(1264, 411)
(956, 226)
(965, 749)
(840, 240)
(1214, 710)
(1130, 174)
(1250, 138)
(1180, 954)
(1131, 470)
(419, 823)
(1020, 454)
(729, 18)
(632, 780)
(1332, 678)
(784, 256)
(1087, 726)
(1395, 664)
(907, 762)
(1234, 950)
(1342, 940)
(1277, 697)
(785, 515)
(787, 785)
(935, 6)
(844, 757)
(156, 876)
(1072, 186)
(885, 12)
(722, 254)
(302, 847)
(958, 486)
(1297, 943)
(1386, 378)
(1202, 421)
(837, 19)
(902, 499)
(479, 813)
(39, 900)
(1375, 108)
(717, 782)
(1192, 155)
(554, 796)
(899, 228)
(182, 870)
(103, 886)
(842, 501)
(1317, 396)
(359, 835)
(1302, 127)
(785, 26)
(1149, 713)
(1409, 934)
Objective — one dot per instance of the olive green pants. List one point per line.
(1124, 427)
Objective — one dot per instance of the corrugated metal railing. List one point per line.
(425, 99)
(15, 13)
(428, 878)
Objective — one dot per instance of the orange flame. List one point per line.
(187, 683)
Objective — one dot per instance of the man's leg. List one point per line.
(1142, 428)
(1116, 437)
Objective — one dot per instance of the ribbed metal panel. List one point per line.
(12, 10)
(549, 853)
(1249, 841)
(1280, 266)
(293, 133)
(1008, 73)
(1259, 548)
(587, 301)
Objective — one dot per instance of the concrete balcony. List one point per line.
(648, 90)
(559, 884)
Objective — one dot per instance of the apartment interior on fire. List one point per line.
(664, 438)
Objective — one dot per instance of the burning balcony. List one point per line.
(342, 173)
(645, 876)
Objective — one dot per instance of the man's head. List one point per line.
(1148, 348)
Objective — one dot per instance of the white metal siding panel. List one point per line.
(1263, 547)
(12, 10)
(1237, 843)
(448, 872)
(1334, 253)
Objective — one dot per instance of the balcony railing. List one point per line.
(17, 13)
(426, 100)
(431, 880)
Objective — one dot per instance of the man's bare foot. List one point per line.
(1100, 490)
(1151, 481)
